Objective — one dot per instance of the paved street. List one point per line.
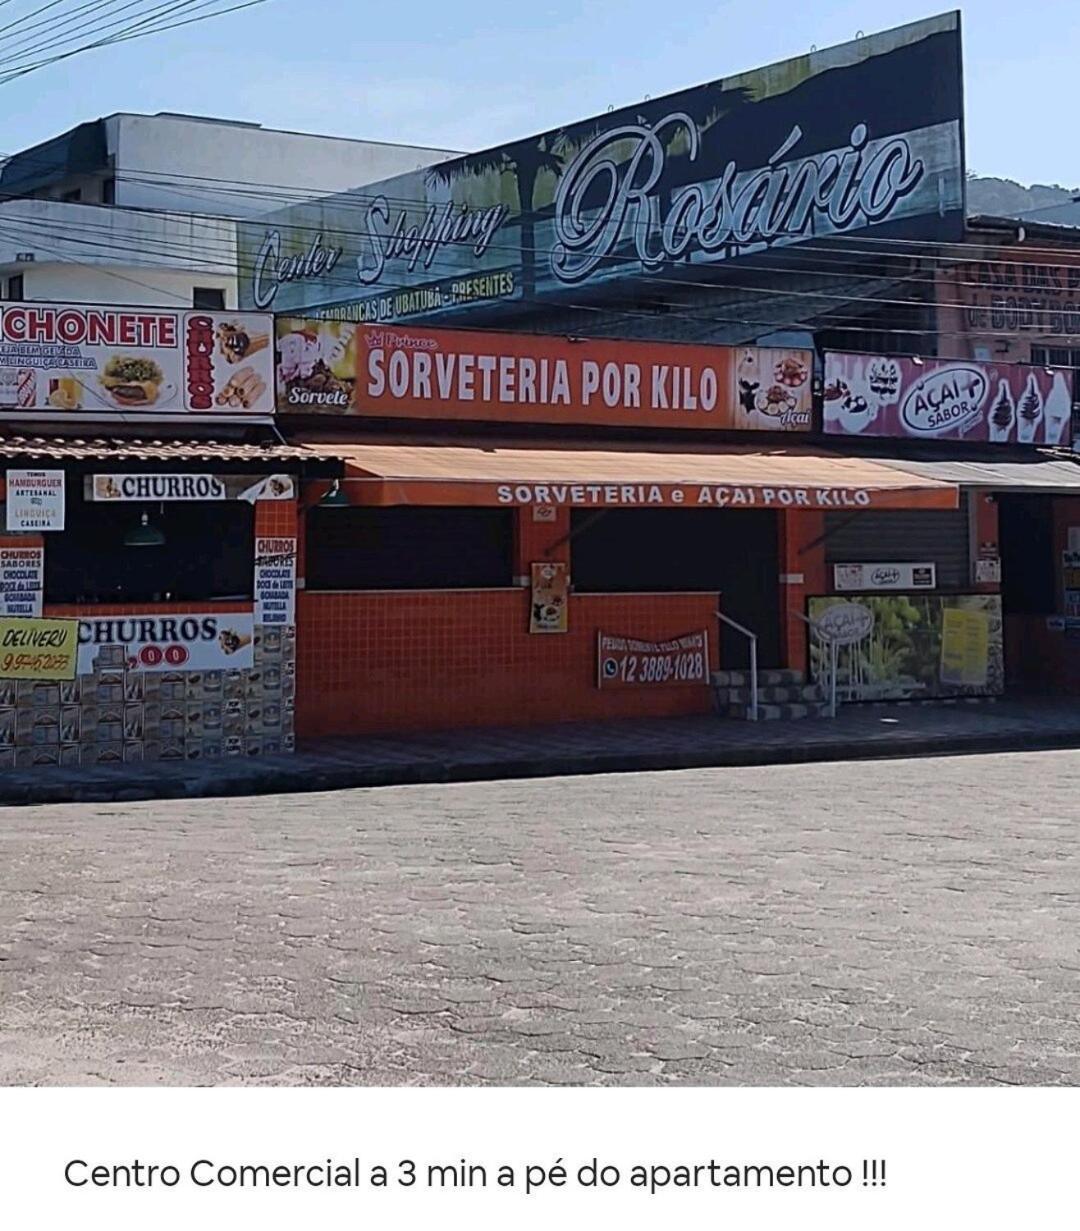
(893, 922)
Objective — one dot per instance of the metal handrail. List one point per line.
(834, 648)
(752, 637)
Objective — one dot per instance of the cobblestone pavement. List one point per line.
(899, 922)
(694, 742)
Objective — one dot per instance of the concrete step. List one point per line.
(779, 677)
(771, 694)
(767, 713)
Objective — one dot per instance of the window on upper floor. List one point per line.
(14, 289)
(208, 298)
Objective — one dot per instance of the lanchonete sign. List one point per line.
(834, 143)
(69, 360)
(329, 367)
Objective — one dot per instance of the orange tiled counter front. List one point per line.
(422, 660)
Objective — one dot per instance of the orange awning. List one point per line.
(585, 477)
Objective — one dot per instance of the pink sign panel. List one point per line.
(947, 399)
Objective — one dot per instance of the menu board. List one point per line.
(70, 360)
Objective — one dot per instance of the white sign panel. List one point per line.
(884, 576)
(189, 487)
(35, 500)
(275, 581)
(22, 580)
(204, 641)
(81, 359)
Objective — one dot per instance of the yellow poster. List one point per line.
(965, 647)
(32, 649)
(548, 610)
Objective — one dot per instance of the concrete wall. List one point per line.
(97, 254)
(151, 149)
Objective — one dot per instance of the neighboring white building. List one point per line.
(137, 208)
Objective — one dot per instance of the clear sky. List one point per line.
(466, 74)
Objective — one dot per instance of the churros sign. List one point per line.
(386, 371)
(71, 360)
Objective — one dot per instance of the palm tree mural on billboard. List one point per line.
(539, 162)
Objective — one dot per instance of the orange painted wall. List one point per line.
(424, 660)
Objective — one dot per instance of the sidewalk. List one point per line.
(573, 748)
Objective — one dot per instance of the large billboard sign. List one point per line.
(861, 137)
(946, 399)
(386, 371)
(70, 361)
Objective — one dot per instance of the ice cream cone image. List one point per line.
(1058, 410)
(235, 343)
(1030, 411)
(1002, 418)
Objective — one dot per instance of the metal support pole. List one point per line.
(753, 679)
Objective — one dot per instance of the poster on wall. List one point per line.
(911, 646)
(206, 641)
(80, 360)
(548, 610)
(33, 649)
(884, 576)
(327, 367)
(35, 500)
(275, 581)
(837, 142)
(626, 662)
(965, 647)
(22, 580)
(944, 399)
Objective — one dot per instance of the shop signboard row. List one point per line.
(334, 368)
(79, 361)
(945, 399)
(838, 142)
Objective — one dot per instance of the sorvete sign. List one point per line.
(385, 371)
(71, 360)
(838, 142)
(946, 399)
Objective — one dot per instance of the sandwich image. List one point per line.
(131, 380)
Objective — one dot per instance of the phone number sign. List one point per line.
(625, 662)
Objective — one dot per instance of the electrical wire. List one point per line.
(152, 22)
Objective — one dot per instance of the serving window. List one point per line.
(410, 548)
(107, 555)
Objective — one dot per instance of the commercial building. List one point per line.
(522, 424)
(140, 208)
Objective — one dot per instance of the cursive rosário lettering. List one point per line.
(607, 202)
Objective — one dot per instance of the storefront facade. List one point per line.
(171, 568)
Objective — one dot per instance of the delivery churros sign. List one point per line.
(71, 360)
(380, 371)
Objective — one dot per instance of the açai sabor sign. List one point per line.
(379, 371)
